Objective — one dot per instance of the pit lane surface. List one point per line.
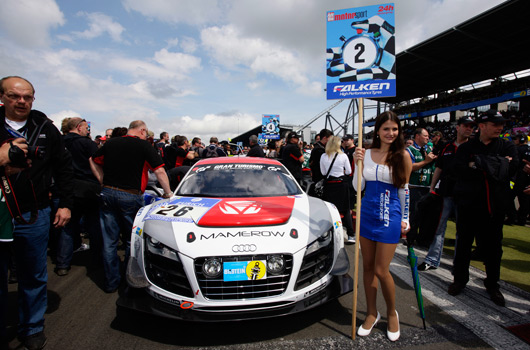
(81, 316)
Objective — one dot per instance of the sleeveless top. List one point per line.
(380, 207)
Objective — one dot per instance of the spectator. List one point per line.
(483, 167)
(162, 143)
(255, 148)
(445, 172)
(118, 131)
(336, 163)
(213, 150)
(120, 166)
(385, 173)
(32, 219)
(420, 178)
(86, 198)
(348, 147)
(274, 147)
(197, 145)
(178, 153)
(438, 142)
(522, 180)
(292, 156)
(314, 159)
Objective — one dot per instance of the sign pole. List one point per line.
(359, 169)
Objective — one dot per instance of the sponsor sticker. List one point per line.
(244, 270)
(181, 209)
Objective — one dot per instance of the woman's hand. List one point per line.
(404, 227)
(359, 154)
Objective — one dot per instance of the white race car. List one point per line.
(239, 240)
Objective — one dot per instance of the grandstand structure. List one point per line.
(480, 62)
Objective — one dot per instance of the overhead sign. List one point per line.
(361, 59)
(270, 127)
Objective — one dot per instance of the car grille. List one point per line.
(218, 289)
(315, 266)
(167, 274)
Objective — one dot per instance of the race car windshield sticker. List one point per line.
(238, 180)
(181, 209)
(244, 270)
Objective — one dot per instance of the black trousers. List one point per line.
(475, 221)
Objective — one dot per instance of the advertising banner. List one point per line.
(270, 127)
(361, 59)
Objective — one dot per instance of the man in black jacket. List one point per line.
(483, 167)
(86, 198)
(255, 148)
(32, 215)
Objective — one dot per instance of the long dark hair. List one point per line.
(394, 158)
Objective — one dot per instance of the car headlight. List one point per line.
(154, 246)
(212, 267)
(275, 264)
(321, 242)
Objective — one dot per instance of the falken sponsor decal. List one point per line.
(384, 210)
(181, 209)
(240, 234)
(240, 207)
(244, 270)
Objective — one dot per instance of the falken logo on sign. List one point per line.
(361, 59)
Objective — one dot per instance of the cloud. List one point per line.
(28, 22)
(100, 24)
(222, 125)
(183, 11)
(229, 48)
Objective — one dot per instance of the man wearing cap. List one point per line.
(445, 174)
(484, 166)
(292, 156)
(255, 148)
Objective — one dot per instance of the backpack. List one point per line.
(211, 151)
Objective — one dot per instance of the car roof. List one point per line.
(237, 160)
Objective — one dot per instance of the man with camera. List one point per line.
(27, 196)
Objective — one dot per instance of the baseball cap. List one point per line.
(465, 120)
(292, 135)
(490, 115)
(347, 137)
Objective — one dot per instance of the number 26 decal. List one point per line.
(173, 210)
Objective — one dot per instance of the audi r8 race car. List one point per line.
(239, 240)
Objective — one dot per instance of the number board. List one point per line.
(181, 209)
(360, 55)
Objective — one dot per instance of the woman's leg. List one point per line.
(368, 249)
(384, 253)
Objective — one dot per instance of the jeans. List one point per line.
(89, 209)
(31, 244)
(437, 245)
(117, 215)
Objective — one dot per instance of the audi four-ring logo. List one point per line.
(242, 248)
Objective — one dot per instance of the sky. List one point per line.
(195, 68)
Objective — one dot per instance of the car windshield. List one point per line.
(238, 180)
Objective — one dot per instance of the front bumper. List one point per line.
(139, 300)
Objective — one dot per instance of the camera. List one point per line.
(18, 158)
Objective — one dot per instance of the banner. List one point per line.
(270, 127)
(361, 59)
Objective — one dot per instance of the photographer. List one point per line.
(47, 158)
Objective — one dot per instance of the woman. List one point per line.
(336, 188)
(384, 216)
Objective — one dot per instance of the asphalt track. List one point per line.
(81, 316)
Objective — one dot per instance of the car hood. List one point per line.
(214, 226)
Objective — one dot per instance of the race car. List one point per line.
(238, 240)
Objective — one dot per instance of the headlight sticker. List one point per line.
(181, 209)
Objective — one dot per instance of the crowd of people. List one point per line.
(67, 182)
